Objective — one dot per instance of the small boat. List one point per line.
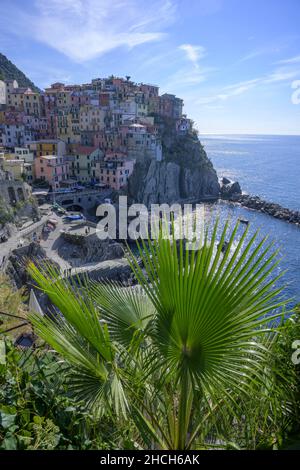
(74, 218)
(244, 221)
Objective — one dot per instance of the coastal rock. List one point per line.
(225, 180)
(266, 207)
(186, 173)
(230, 189)
(17, 265)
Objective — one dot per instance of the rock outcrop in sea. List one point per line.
(229, 188)
(269, 208)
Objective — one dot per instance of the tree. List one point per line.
(183, 353)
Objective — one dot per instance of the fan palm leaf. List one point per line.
(192, 333)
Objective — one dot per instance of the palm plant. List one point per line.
(181, 353)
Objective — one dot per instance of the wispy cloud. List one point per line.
(193, 53)
(277, 76)
(230, 91)
(281, 75)
(291, 60)
(261, 52)
(86, 29)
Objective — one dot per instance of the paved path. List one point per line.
(14, 240)
(51, 245)
(102, 265)
(53, 242)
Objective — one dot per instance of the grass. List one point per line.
(12, 303)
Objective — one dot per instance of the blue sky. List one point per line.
(234, 62)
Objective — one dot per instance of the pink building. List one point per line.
(114, 173)
(52, 169)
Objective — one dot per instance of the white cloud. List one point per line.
(230, 91)
(277, 76)
(281, 75)
(291, 60)
(193, 53)
(86, 29)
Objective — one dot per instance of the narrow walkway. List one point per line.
(14, 240)
(51, 245)
(101, 265)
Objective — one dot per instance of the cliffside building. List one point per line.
(76, 125)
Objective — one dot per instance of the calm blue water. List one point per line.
(267, 166)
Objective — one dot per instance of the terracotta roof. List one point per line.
(84, 149)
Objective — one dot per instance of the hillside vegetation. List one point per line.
(8, 71)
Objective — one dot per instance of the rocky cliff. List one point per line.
(185, 173)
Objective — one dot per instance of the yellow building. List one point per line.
(67, 126)
(25, 100)
(48, 147)
(63, 99)
(10, 156)
(15, 167)
(83, 166)
(31, 102)
(91, 118)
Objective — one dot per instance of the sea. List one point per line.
(267, 166)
